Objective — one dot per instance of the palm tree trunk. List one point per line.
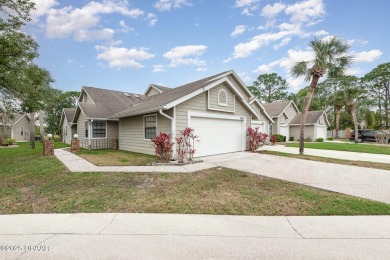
(338, 112)
(309, 96)
(32, 130)
(351, 106)
(41, 127)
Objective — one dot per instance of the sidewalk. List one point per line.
(178, 236)
(77, 164)
(343, 155)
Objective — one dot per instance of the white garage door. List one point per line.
(217, 135)
(284, 131)
(321, 132)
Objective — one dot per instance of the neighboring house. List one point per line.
(315, 127)
(219, 108)
(19, 127)
(94, 129)
(67, 128)
(282, 112)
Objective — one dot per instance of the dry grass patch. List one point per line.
(374, 165)
(116, 158)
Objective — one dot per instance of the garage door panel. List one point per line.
(217, 136)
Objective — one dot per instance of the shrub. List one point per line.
(273, 139)
(163, 146)
(186, 144)
(11, 141)
(330, 138)
(280, 138)
(320, 140)
(308, 139)
(291, 138)
(56, 138)
(255, 138)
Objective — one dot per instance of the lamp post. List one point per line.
(49, 136)
(76, 136)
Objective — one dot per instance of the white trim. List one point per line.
(191, 113)
(263, 109)
(91, 133)
(226, 98)
(143, 121)
(220, 110)
(257, 122)
(83, 88)
(20, 119)
(151, 86)
(173, 131)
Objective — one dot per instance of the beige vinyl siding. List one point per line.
(199, 103)
(25, 123)
(152, 92)
(112, 129)
(132, 132)
(213, 98)
(291, 112)
(309, 132)
(81, 125)
(262, 116)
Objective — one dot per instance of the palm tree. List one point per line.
(353, 91)
(338, 101)
(330, 56)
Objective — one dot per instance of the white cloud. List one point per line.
(240, 29)
(246, 78)
(243, 3)
(158, 68)
(321, 33)
(82, 23)
(306, 11)
(262, 69)
(123, 57)
(367, 56)
(283, 42)
(270, 11)
(353, 71)
(186, 55)
(125, 28)
(167, 5)
(42, 7)
(296, 83)
(200, 69)
(152, 18)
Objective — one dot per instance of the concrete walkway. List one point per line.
(176, 236)
(77, 164)
(351, 156)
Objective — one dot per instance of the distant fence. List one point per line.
(332, 133)
(99, 144)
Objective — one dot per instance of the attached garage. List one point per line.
(284, 130)
(218, 133)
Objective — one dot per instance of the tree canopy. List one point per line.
(270, 88)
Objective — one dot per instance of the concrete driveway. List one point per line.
(358, 181)
(177, 236)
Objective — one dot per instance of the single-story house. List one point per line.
(219, 109)
(316, 125)
(282, 112)
(67, 128)
(19, 127)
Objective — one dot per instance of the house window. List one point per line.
(99, 129)
(21, 131)
(150, 124)
(86, 128)
(222, 98)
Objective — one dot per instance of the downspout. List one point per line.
(173, 129)
(89, 133)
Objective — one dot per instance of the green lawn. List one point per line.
(349, 147)
(111, 157)
(32, 183)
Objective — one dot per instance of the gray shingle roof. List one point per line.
(312, 117)
(276, 108)
(156, 102)
(107, 102)
(17, 116)
(69, 113)
(163, 89)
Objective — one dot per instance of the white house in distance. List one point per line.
(316, 125)
(19, 127)
(68, 129)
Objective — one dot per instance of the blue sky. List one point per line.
(127, 45)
